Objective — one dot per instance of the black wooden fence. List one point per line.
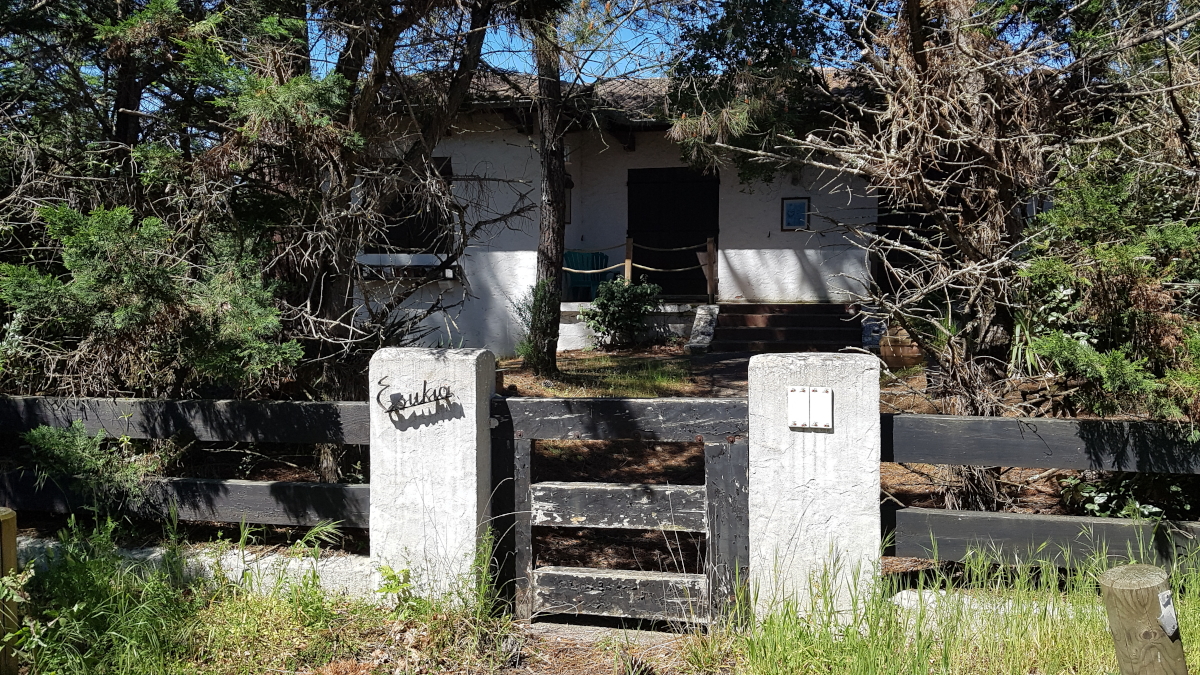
(933, 439)
(718, 509)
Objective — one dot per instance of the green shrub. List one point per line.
(1153, 496)
(111, 472)
(618, 314)
(125, 310)
(1114, 381)
(91, 611)
(536, 300)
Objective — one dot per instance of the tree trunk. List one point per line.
(543, 329)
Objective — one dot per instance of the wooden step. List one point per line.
(808, 308)
(844, 334)
(620, 593)
(776, 346)
(789, 320)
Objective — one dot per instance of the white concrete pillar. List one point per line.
(430, 460)
(814, 492)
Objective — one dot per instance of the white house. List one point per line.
(776, 242)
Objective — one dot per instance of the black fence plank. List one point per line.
(726, 469)
(204, 420)
(222, 501)
(619, 505)
(523, 531)
(1149, 447)
(949, 535)
(503, 506)
(618, 593)
(661, 419)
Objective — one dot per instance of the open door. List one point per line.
(673, 208)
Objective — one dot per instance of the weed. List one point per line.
(92, 609)
(110, 471)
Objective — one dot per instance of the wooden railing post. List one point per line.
(711, 261)
(1142, 620)
(8, 610)
(628, 259)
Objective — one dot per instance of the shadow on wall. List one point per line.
(486, 319)
(828, 274)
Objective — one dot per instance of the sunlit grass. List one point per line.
(978, 617)
(607, 375)
(91, 611)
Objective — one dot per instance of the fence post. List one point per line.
(711, 261)
(1142, 620)
(628, 260)
(8, 565)
(814, 489)
(430, 460)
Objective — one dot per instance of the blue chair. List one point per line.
(582, 287)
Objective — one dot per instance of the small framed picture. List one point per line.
(795, 214)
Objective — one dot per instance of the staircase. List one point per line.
(798, 327)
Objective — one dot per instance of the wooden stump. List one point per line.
(1142, 620)
(8, 565)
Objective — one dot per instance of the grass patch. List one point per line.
(597, 374)
(93, 611)
(977, 617)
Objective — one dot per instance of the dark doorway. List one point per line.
(672, 208)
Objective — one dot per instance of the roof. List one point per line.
(622, 101)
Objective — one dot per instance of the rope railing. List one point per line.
(606, 269)
(681, 269)
(667, 250)
(709, 265)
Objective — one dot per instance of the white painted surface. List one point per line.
(498, 171)
(256, 570)
(431, 462)
(757, 260)
(672, 320)
(814, 493)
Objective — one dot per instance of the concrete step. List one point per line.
(843, 334)
(806, 308)
(789, 320)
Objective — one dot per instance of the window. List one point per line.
(795, 214)
(412, 227)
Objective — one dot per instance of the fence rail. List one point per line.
(660, 419)
(1066, 540)
(202, 420)
(288, 503)
(721, 424)
(1146, 447)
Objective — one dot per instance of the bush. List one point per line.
(1153, 496)
(536, 299)
(91, 611)
(110, 472)
(126, 311)
(618, 314)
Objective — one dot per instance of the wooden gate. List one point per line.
(718, 509)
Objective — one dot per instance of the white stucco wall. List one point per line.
(497, 169)
(757, 260)
(430, 460)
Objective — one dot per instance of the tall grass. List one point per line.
(91, 610)
(969, 618)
